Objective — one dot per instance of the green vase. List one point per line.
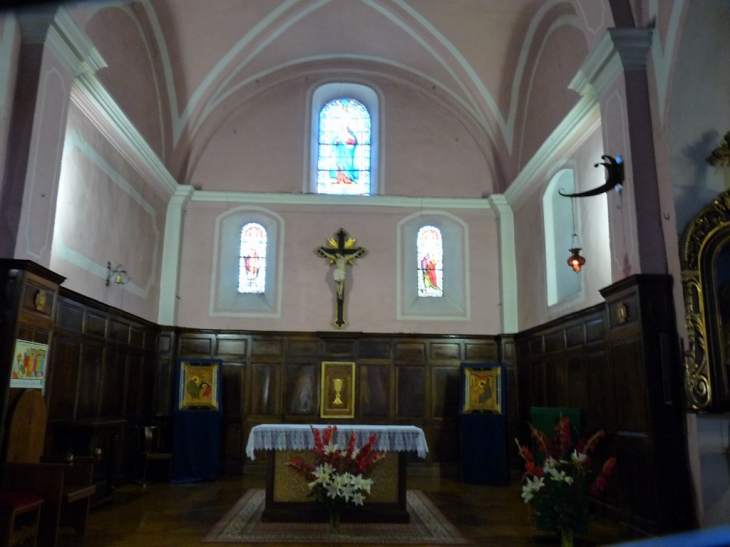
(335, 520)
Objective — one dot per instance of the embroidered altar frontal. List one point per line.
(287, 494)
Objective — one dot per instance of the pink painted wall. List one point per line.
(134, 76)
(592, 230)
(107, 213)
(308, 290)
(424, 150)
(9, 44)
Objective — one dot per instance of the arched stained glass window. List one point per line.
(343, 163)
(430, 253)
(252, 259)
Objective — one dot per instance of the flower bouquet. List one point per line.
(338, 476)
(560, 489)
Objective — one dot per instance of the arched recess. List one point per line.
(225, 298)
(562, 282)
(455, 302)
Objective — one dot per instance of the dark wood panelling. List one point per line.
(411, 389)
(630, 387)
(264, 392)
(482, 352)
(303, 347)
(374, 391)
(62, 400)
(554, 341)
(70, 318)
(301, 390)
(231, 346)
(595, 331)
(118, 331)
(374, 349)
(445, 351)
(574, 336)
(136, 338)
(410, 351)
(444, 391)
(535, 345)
(267, 348)
(445, 442)
(196, 347)
(112, 388)
(339, 349)
(232, 386)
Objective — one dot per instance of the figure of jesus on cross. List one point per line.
(340, 252)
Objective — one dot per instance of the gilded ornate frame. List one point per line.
(707, 367)
(337, 393)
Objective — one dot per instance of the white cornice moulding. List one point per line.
(59, 30)
(353, 201)
(619, 49)
(508, 263)
(101, 109)
(577, 126)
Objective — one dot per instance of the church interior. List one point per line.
(194, 195)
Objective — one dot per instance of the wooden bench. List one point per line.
(20, 515)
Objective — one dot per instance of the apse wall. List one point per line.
(107, 212)
(425, 149)
(377, 297)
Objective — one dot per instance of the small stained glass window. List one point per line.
(430, 252)
(343, 165)
(252, 259)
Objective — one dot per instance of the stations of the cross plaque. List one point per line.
(340, 251)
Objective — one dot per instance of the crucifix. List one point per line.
(340, 252)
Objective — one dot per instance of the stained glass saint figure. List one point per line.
(343, 166)
(430, 252)
(252, 259)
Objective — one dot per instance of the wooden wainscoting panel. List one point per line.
(411, 382)
(200, 346)
(336, 349)
(264, 389)
(637, 487)
(374, 349)
(134, 402)
(301, 391)
(444, 443)
(113, 386)
(554, 341)
(595, 330)
(410, 351)
(95, 324)
(444, 391)
(91, 367)
(599, 411)
(232, 447)
(556, 382)
(63, 378)
(536, 347)
(165, 387)
(269, 349)
(574, 336)
(481, 352)
(630, 384)
(577, 380)
(136, 337)
(374, 391)
(231, 346)
(445, 351)
(118, 331)
(232, 390)
(70, 316)
(303, 347)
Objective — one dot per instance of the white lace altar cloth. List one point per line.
(390, 438)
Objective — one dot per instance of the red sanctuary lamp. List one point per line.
(576, 261)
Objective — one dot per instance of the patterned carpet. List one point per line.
(243, 524)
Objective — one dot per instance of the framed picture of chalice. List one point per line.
(337, 395)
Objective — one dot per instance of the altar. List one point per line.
(286, 492)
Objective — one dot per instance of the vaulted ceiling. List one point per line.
(179, 68)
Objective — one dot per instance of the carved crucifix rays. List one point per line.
(340, 251)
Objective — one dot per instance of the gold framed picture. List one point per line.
(199, 384)
(337, 394)
(482, 389)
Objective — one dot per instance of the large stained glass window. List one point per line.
(430, 252)
(343, 164)
(252, 259)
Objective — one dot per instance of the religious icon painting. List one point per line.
(199, 384)
(482, 388)
(337, 393)
(343, 165)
